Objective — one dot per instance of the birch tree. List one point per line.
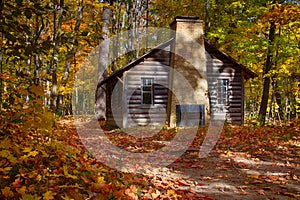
(100, 98)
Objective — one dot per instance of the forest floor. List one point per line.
(246, 163)
(63, 160)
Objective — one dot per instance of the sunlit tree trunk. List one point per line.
(130, 29)
(100, 98)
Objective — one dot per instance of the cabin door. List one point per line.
(190, 115)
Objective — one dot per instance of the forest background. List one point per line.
(44, 44)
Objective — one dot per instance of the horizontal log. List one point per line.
(146, 106)
(232, 115)
(147, 73)
(132, 88)
(156, 77)
(156, 101)
(151, 66)
(148, 117)
(163, 81)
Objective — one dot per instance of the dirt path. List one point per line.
(233, 176)
(246, 163)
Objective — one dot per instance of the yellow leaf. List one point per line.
(38, 178)
(100, 179)
(27, 149)
(21, 190)
(6, 192)
(4, 153)
(65, 167)
(48, 195)
(66, 173)
(33, 153)
(8, 155)
(171, 192)
(5, 143)
(6, 169)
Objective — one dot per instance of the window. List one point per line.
(222, 91)
(147, 90)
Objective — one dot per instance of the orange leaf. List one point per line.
(131, 192)
(17, 183)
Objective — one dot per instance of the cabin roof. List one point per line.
(208, 47)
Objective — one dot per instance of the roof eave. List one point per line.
(135, 62)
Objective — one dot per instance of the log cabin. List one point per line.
(184, 81)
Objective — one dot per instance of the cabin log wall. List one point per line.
(157, 68)
(216, 69)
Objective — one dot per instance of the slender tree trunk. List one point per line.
(116, 27)
(37, 58)
(130, 29)
(56, 38)
(277, 96)
(100, 98)
(271, 111)
(37, 66)
(147, 23)
(267, 68)
(207, 22)
(292, 98)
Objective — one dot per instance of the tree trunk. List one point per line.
(207, 22)
(130, 29)
(278, 100)
(100, 98)
(267, 68)
(56, 39)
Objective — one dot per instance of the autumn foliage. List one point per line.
(41, 159)
(44, 43)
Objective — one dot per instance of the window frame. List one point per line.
(151, 91)
(222, 91)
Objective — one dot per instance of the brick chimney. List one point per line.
(188, 80)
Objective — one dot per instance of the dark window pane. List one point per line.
(147, 90)
(147, 98)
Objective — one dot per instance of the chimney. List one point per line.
(188, 80)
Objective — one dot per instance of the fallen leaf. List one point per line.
(290, 194)
(6, 192)
(48, 195)
(17, 183)
(262, 192)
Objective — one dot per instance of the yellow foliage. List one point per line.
(48, 195)
(7, 192)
